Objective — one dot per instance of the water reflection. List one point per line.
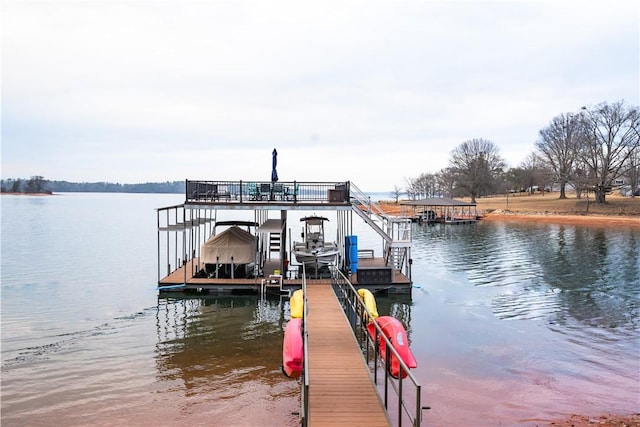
(573, 349)
(556, 272)
(225, 354)
(398, 306)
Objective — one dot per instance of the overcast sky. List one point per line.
(369, 91)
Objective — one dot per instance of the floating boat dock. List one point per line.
(341, 385)
(183, 230)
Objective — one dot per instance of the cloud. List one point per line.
(121, 91)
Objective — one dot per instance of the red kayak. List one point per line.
(292, 351)
(394, 331)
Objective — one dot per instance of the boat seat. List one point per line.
(314, 241)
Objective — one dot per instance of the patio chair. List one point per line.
(278, 191)
(252, 191)
(291, 195)
(265, 191)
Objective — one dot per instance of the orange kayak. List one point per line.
(394, 331)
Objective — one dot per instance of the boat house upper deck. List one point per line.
(269, 194)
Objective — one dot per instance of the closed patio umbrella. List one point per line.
(274, 162)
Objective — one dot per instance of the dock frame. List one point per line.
(183, 228)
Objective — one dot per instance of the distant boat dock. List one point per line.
(440, 210)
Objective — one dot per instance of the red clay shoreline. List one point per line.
(608, 420)
(562, 218)
(631, 220)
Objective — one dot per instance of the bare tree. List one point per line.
(476, 164)
(396, 193)
(558, 145)
(530, 171)
(632, 171)
(581, 178)
(412, 188)
(426, 184)
(610, 135)
(517, 178)
(446, 182)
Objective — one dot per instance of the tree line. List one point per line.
(589, 150)
(38, 184)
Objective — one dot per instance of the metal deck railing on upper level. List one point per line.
(288, 192)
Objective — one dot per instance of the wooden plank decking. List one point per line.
(178, 277)
(341, 392)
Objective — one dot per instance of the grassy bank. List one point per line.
(549, 207)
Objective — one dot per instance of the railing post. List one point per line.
(400, 397)
(353, 311)
(418, 419)
(387, 352)
(305, 340)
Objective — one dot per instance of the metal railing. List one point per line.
(395, 231)
(304, 401)
(408, 403)
(267, 191)
(180, 233)
(361, 198)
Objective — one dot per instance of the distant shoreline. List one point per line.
(11, 193)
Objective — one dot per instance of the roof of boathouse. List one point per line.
(436, 201)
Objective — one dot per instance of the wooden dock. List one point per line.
(341, 392)
(183, 276)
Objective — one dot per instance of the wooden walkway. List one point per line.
(341, 392)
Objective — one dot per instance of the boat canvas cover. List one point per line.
(233, 243)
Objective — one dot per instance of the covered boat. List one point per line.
(292, 349)
(314, 251)
(394, 331)
(231, 253)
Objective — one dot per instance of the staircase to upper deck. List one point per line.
(395, 231)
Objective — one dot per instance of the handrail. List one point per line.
(365, 200)
(260, 192)
(304, 412)
(357, 313)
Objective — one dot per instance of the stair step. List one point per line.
(274, 242)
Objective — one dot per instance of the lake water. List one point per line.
(511, 324)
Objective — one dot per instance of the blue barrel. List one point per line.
(351, 249)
